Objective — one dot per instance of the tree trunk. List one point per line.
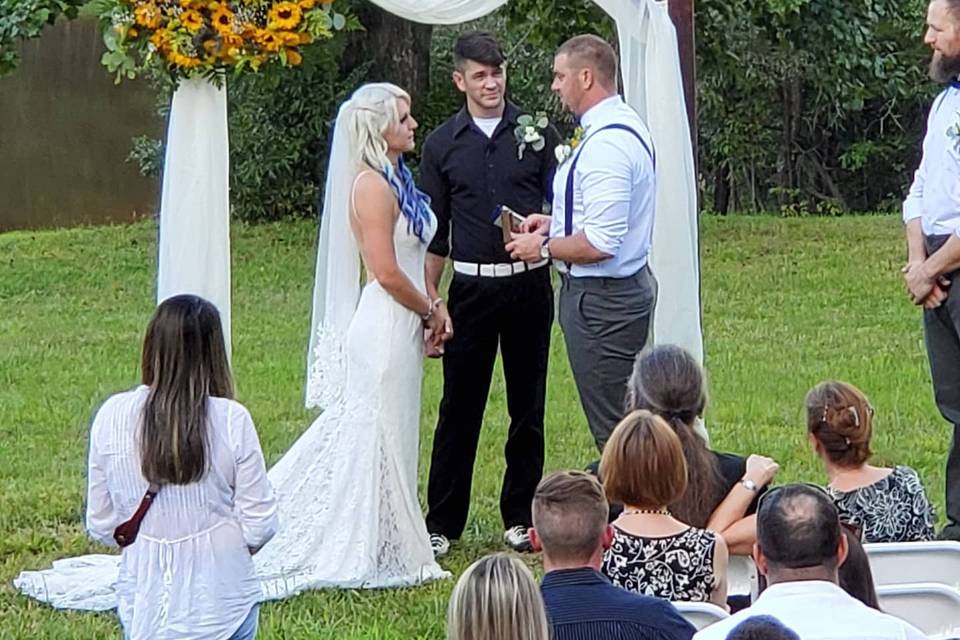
(790, 92)
(721, 189)
(396, 50)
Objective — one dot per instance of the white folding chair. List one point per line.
(700, 614)
(742, 577)
(931, 607)
(913, 562)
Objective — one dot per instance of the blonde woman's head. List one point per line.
(379, 120)
(497, 598)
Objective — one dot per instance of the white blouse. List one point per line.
(189, 575)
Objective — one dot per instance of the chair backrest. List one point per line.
(913, 562)
(931, 607)
(700, 614)
(742, 577)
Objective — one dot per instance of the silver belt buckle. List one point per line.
(501, 270)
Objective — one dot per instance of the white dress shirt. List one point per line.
(817, 610)
(189, 574)
(935, 194)
(613, 191)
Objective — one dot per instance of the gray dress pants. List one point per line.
(605, 323)
(941, 328)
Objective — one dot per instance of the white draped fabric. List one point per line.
(194, 247)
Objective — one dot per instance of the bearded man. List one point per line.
(931, 213)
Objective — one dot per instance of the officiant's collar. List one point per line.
(597, 112)
(510, 114)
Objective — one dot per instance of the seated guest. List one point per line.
(497, 598)
(799, 548)
(855, 575)
(187, 572)
(722, 488)
(761, 628)
(652, 552)
(889, 505)
(570, 527)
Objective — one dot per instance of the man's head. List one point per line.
(798, 535)
(943, 36)
(570, 520)
(479, 71)
(584, 72)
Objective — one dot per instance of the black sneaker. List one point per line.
(518, 539)
(439, 544)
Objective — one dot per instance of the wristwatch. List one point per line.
(749, 484)
(545, 249)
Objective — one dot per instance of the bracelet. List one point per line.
(434, 305)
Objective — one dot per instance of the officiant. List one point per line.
(473, 165)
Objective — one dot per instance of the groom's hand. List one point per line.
(525, 246)
(536, 223)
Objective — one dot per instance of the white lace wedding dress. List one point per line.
(347, 489)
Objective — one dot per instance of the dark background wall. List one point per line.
(65, 132)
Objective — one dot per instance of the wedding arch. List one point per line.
(194, 245)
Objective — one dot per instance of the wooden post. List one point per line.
(681, 12)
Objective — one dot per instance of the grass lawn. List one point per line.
(787, 303)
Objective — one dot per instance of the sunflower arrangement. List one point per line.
(207, 37)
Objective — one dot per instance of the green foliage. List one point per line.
(21, 19)
(815, 100)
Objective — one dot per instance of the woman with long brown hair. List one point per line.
(181, 459)
(722, 488)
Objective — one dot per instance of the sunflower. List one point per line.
(293, 57)
(147, 15)
(306, 38)
(288, 38)
(160, 40)
(268, 40)
(306, 5)
(284, 15)
(222, 19)
(192, 20)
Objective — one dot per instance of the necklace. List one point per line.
(662, 511)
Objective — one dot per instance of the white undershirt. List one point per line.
(487, 125)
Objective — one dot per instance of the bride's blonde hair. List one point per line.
(373, 112)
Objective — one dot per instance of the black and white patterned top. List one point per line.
(893, 509)
(677, 568)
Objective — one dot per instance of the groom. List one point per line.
(473, 165)
(600, 233)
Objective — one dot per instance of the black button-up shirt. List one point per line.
(469, 176)
(582, 604)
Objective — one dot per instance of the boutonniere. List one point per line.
(565, 149)
(953, 132)
(529, 131)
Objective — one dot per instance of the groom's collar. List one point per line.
(463, 119)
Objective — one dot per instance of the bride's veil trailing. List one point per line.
(337, 285)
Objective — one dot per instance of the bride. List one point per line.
(347, 489)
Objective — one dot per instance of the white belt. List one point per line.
(496, 270)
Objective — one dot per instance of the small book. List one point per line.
(509, 222)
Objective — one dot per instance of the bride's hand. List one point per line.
(444, 329)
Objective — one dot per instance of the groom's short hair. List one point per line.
(479, 46)
(592, 51)
(570, 514)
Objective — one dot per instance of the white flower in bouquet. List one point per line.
(529, 131)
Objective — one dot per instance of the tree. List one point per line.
(21, 19)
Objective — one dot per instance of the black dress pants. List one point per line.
(941, 328)
(514, 313)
